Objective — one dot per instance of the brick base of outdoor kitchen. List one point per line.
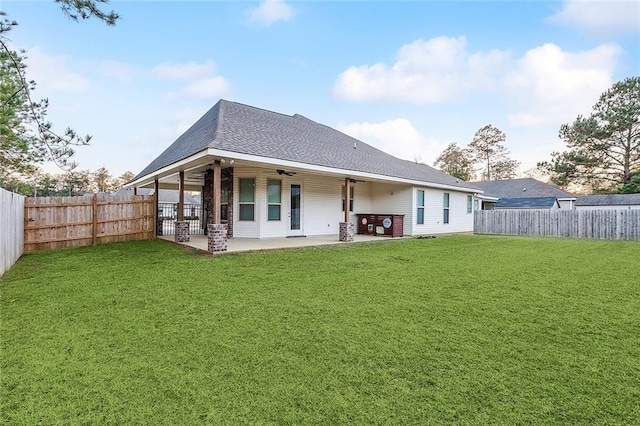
(182, 232)
(217, 237)
(347, 231)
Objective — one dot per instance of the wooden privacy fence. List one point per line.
(600, 224)
(11, 233)
(56, 222)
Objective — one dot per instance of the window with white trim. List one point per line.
(420, 204)
(247, 199)
(469, 203)
(445, 208)
(274, 199)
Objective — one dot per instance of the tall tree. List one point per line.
(26, 136)
(125, 178)
(487, 149)
(456, 161)
(604, 148)
(102, 180)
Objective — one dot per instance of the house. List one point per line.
(609, 202)
(265, 174)
(524, 193)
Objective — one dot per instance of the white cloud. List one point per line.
(202, 80)
(213, 87)
(397, 137)
(54, 73)
(599, 17)
(117, 70)
(432, 71)
(189, 71)
(549, 85)
(271, 11)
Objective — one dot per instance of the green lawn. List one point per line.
(468, 330)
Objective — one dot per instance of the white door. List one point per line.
(295, 210)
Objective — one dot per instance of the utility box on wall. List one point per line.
(380, 224)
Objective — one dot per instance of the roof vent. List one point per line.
(355, 145)
(524, 189)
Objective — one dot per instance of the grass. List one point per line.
(468, 330)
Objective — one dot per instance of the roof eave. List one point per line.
(212, 152)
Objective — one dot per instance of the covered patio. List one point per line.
(239, 245)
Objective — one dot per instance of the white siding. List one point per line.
(459, 219)
(566, 204)
(322, 206)
(394, 199)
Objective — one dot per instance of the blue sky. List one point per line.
(407, 77)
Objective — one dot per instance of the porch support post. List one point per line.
(158, 219)
(181, 198)
(216, 191)
(216, 231)
(347, 229)
(347, 193)
(182, 226)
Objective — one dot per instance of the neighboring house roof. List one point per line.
(239, 128)
(609, 200)
(164, 195)
(521, 188)
(526, 203)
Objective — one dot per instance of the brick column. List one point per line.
(217, 237)
(159, 225)
(182, 231)
(347, 230)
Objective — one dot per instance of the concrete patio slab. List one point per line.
(235, 245)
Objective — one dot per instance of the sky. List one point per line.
(406, 77)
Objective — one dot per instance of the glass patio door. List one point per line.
(295, 210)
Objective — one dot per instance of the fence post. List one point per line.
(94, 228)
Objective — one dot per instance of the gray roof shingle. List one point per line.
(521, 188)
(245, 129)
(526, 203)
(609, 200)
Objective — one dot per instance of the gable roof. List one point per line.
(609, 200)
(526, 203)
(521, 188)
(240, 128)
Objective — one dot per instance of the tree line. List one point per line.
(70, 183)
(602, 155)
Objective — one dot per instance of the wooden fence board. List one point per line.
(598, 224)
(11, 228)
(56, 222)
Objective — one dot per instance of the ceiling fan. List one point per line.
(284, 172)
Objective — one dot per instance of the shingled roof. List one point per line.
(239, 128)
(521, 188)
(526, 203)
(609, 200)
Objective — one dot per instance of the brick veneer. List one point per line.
(347, 231)
(159, 227)
(182, 231)
(207, 197)
(216, 237)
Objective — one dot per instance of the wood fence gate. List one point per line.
(57, 222)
